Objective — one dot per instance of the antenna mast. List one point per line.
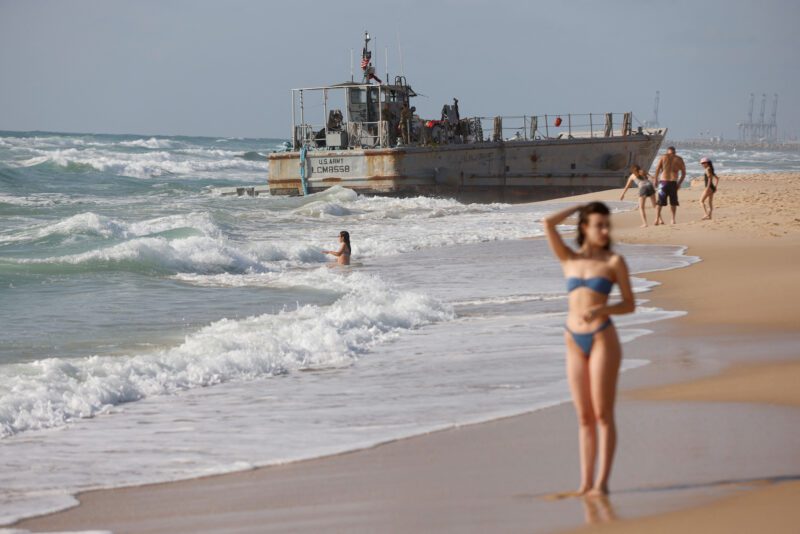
(653, 123)
(400, 54)
(655, 109)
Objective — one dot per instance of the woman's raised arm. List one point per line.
(557, 245)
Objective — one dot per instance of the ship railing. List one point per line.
(553, 126)
(506, 128)
(373, 134)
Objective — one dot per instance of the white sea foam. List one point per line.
(140, 165)
(514, 299)
(84, 223)
(382, 227)
(51, 392)
(65, 141)
(209, 152)
(148, 143)
(338, 201)
(200, 221)
(89, 223)
(24, 201)
(32, 162)
(321, 209)
(424, 207)
(46, 141)
(379, 227)
(192, 254)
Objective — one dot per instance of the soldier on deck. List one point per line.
(455, 117)
(405, 124)
(391, 123)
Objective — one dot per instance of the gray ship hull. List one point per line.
(508, 171)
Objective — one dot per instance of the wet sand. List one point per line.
(709, 432)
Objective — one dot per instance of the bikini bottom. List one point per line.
(585, 340)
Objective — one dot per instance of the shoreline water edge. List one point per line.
(487, 312)
(385, 357)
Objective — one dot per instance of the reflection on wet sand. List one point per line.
(598, 509)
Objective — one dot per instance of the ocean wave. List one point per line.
(92, 224)
(137, 165)
(42, 141)
(84, 223)
(166, 245)
(196, 243)
(317, 279)
(511, 299)
(379, 208)
(208, 152)
(52, 392)
(72, 141)
(28, 200)
(253, 156)
(341, 202)
(336, 193)
(33, 162)
(151, 143)
(321, 208)
(199, 254)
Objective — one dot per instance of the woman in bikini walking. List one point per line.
(594, 352)
(710, 187)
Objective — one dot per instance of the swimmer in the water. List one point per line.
(343, 254)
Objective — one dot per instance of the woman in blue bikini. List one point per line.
(593, 348)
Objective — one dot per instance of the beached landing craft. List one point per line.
(376, 144)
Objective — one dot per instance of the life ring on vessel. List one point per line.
(558, 121)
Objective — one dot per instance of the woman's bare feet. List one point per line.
(597, 491)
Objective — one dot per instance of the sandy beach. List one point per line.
(709, 431)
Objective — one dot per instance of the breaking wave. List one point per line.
(52, 392)
(138, 165)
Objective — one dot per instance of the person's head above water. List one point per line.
(344, 237)
(594, 226)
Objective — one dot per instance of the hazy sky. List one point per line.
(224, 68)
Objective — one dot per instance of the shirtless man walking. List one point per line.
(670, 165)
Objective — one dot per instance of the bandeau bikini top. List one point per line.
(601, 284)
